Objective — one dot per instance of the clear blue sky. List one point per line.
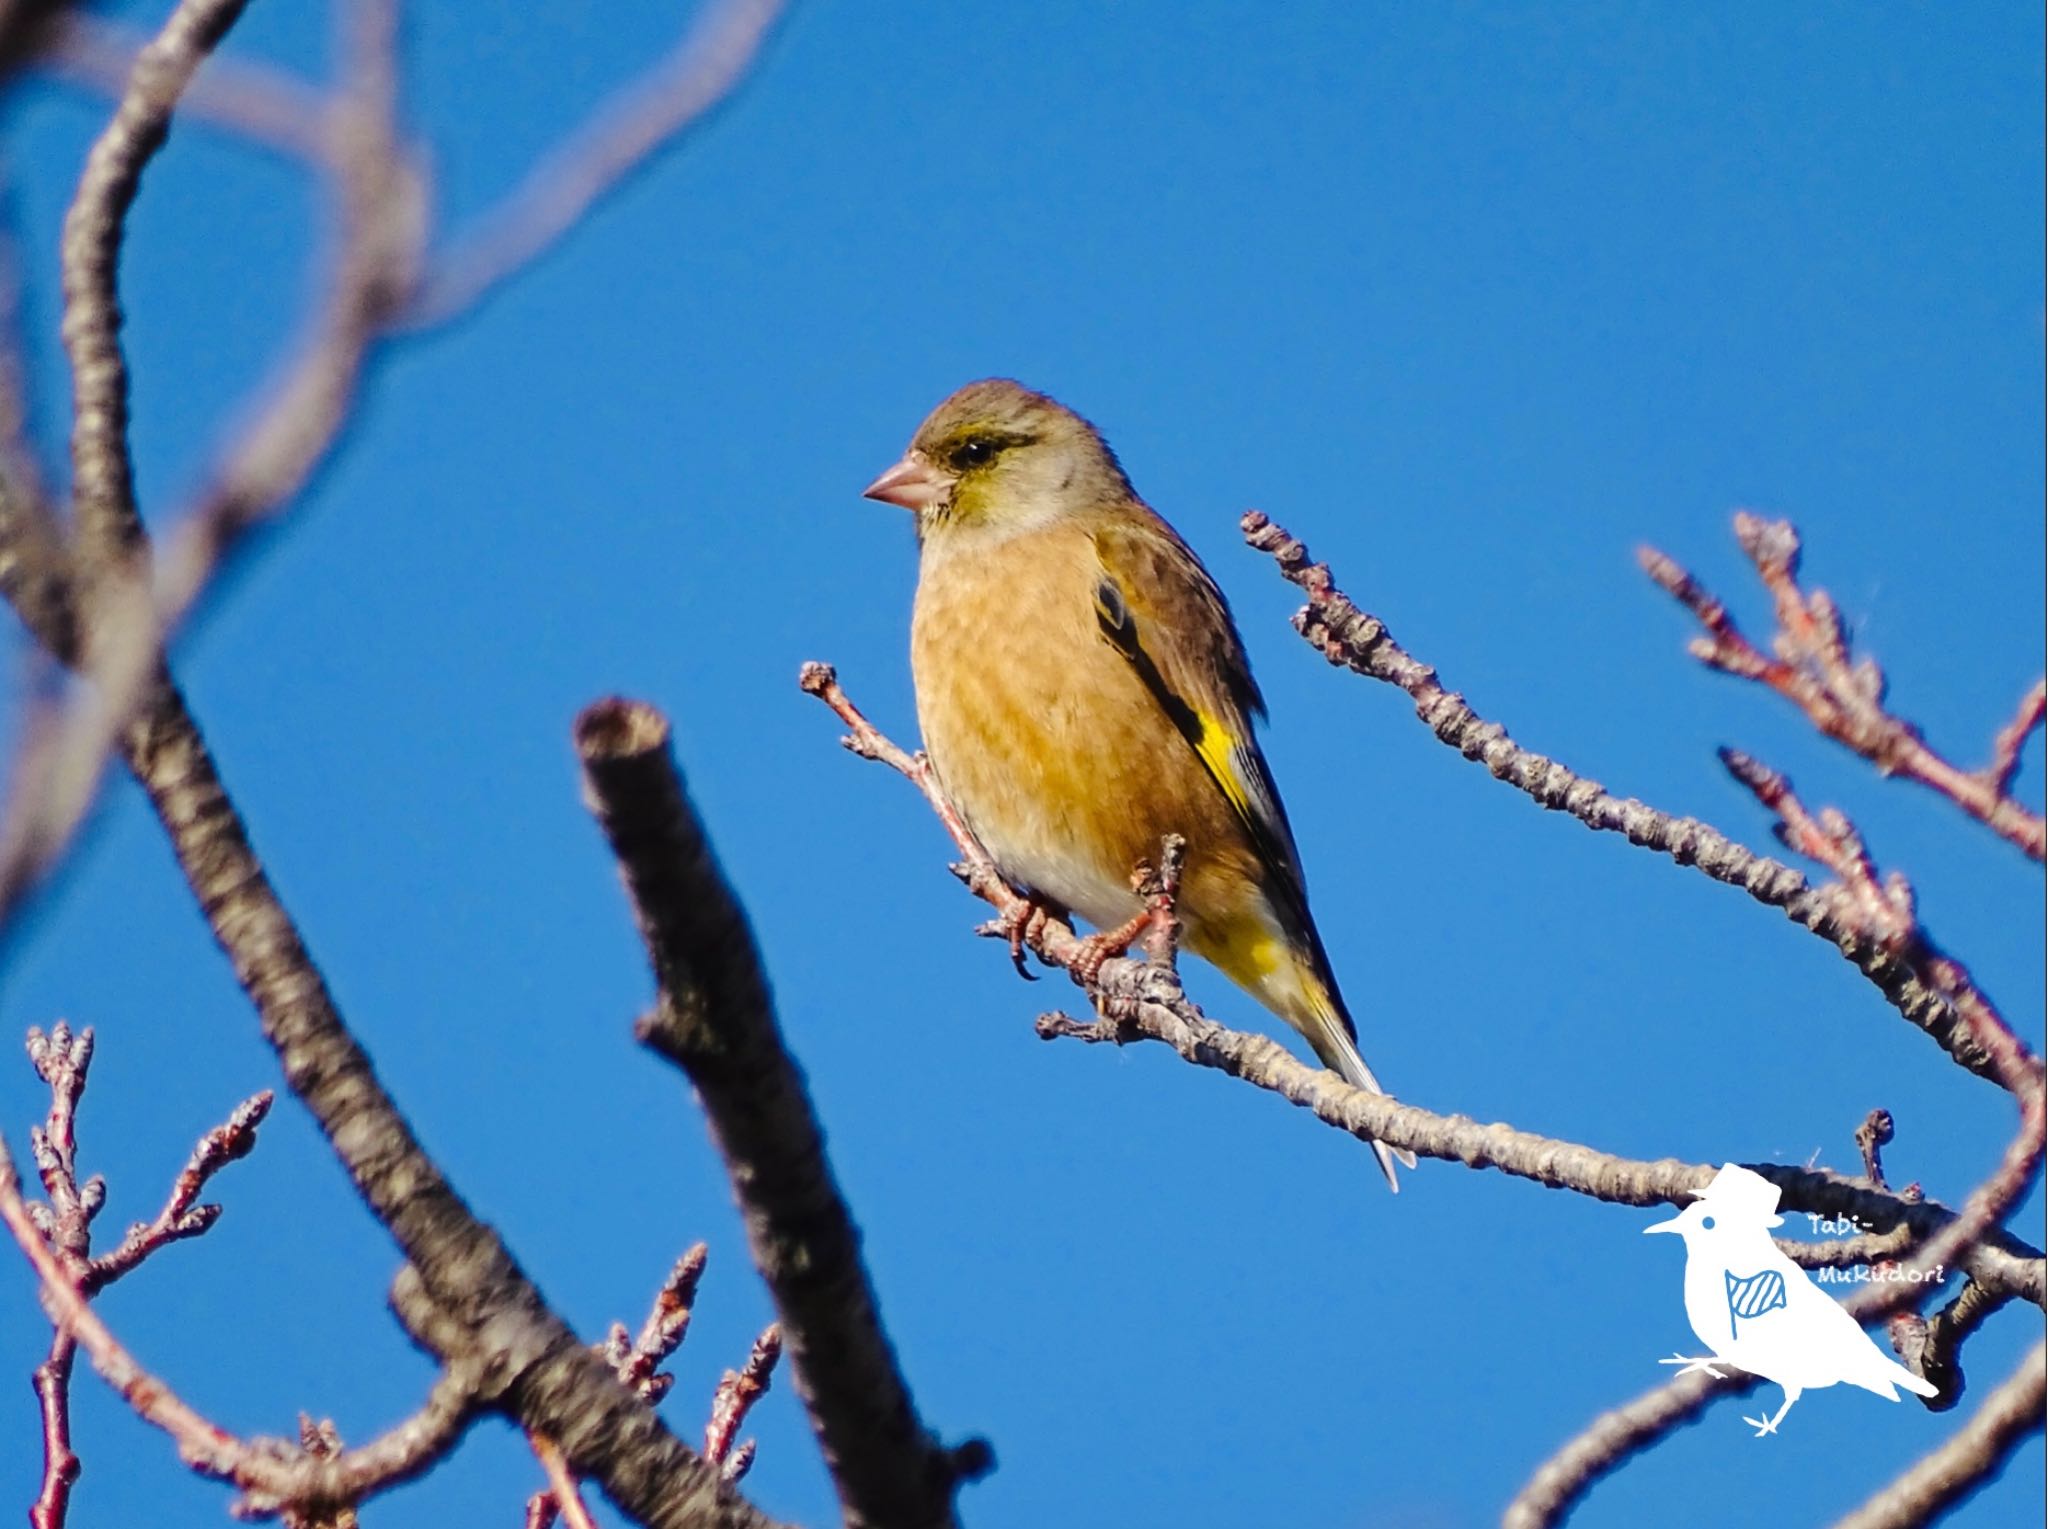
(1476, 299)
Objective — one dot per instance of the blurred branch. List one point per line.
(1844, 698)
(377, 287)
(1931, 1347)
(1872, 1137)
(63, 1060)
(491, 1318)
(715, 1021)
(258, 102)
(1348, 636)
(1611, 1440)
(1945, 1476)
(180, 1217)
(95, 589)
(637, 1361)
(647, 116)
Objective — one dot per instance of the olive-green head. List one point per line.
(997, 458)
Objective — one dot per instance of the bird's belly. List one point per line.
(1047, 807)
(1044, 741)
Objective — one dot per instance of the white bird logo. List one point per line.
(1758, 1311)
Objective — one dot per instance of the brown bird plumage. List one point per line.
(1083, 692)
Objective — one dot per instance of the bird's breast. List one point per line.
(1042, 735)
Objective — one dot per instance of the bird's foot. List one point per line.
(1703, 1365)
(1098, 948)
(1762, 1425)
(1017, 926)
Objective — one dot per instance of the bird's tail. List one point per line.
(1292, 977)
(1330, 1031)
(1312, 1004)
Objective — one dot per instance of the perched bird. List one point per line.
(1083, 693)
(1758, 1311)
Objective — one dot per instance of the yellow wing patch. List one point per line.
(1219, 752)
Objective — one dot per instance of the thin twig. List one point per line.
(103, 479)
(1841, 696)
(1345, 635)
(270, 1473)
(638, 1361)
(564, 1496)
(180, 1217)
(737, 1392)
(1872, 1137)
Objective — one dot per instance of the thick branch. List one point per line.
(716, 1022)
(103, 477)
(559, 1386)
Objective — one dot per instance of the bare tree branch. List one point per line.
(58, 1244)
(1610, 1441)
(1944, 1477)
(737, 1392)
(1348, 636)
(495, 1318)
(1143, 1000)
(676, 94)
(103, 480)
(715, 1021)
(1844, 698)
(563, 1498)
(263, 104)
(1931, 1347)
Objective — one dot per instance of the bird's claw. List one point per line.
(1016, 926)
(1762, 1425)
(1703, 1365)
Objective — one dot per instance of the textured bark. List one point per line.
(552, 1382)
(715, 1020)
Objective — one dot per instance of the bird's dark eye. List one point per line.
(974, 451)
(1706, 1223)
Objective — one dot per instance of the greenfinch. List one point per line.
(1083, 692)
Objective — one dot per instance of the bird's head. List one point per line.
(995, 459)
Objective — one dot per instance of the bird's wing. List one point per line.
(1158, 607)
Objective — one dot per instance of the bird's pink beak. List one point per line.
(913, 483)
